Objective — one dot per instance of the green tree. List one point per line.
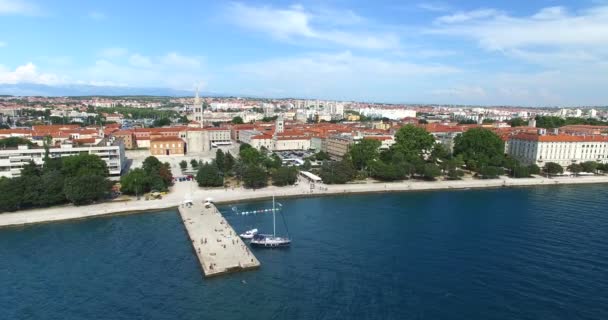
(510, 164)
(490, 172)
(307, 165)
(244, 146)
(534, 169)
(135, 182)
(30, 169)
(454, 174)
(517, 122)
(521, 172)
(229, 162)
(337, 172)
(387, 171)
(479, 148)
(151, 164)
(31, 189)
(439, 152)
(284, 176)
(413, 141)
(208, 175)
(237, 120)
(156, 182)
(431, 171)
(549, 122)
(51, 184)
(183, 165)
(194, 163)
(165, 173)
(364, 153)
(13, 142)
(220, 160)
(255, 177)
(452, 166)
(11, 193)
(552, 168)
(575, 168)
(251, 156)
(590, 166)
(84, 164)
(163, 122)
(321, 156)
(272, 162)
(85, 189)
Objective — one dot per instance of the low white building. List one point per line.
(282, 143)
(559, 148)
(14, 159)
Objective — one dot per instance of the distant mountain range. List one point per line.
(32, 89)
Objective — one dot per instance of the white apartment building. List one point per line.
(559, 148)
(12, 160)
(390, 113)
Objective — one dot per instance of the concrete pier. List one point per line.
(218, 247)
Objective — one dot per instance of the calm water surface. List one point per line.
(537, 253)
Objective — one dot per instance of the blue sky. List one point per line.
(532, 53)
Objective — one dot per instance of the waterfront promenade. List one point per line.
(220, 195)
(218, 247)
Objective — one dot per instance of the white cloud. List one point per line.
(18, 7)
(296, 24)
(137, 60)
(96, 15)
(552, 27)
(172, 70)
(28, 73)
(113, 52)
(468, 16)
(174, 59)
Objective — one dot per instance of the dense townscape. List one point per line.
(81, 149)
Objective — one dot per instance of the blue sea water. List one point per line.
(529, 253)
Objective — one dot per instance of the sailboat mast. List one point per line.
(274, 231)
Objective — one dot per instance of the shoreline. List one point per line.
(223, 196)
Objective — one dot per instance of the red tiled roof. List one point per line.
(560, 138)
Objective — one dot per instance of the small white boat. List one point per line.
(249, 234)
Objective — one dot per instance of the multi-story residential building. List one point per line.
(338, 145)
(109, 150)
(559, 148)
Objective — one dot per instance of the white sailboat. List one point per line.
(270, 241)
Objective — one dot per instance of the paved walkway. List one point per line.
(183, 190)
(219, 249)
